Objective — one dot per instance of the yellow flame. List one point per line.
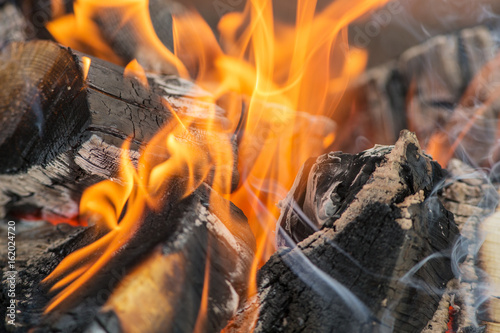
(135, 70)
(287, 79)
(82, 31)
(86, 67)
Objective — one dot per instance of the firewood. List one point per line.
(419, 90)
(380, 258)
(471, 197)
(127, 40)
(489, 262)
(117, 29)
(154, 283)
(63, 133)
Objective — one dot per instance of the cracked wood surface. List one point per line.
(378, 263)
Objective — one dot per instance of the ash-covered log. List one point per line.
(380, 258)
(488, 293)
(471, 196)
(201, 245)
(63, 130)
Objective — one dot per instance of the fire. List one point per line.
(286, 78)
(86, 67)
(82, 31)
(134, 69)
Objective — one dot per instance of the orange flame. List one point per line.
(86, 67)
(82, 31)
(134, 69)
(286, 79)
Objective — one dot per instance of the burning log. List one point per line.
(65, 124)
(380, 258)
(185, 266)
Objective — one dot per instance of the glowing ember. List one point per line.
(268, 69)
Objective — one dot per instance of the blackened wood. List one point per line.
(381, 263)
(155, 282)
(63, 134)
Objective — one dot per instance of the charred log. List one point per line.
(156, 283)
(63, 133)
(381, 259)
(419, 90)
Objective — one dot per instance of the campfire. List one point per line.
(244, 166)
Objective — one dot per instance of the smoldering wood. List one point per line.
(471, 197)
(420, 89)
(63, 134)
(388, 244)
(155, 284)
(488, 262)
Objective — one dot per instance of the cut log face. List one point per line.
(156, 282)
(37, 104)
(380, 264)
(65, 134)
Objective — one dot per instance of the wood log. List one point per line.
(398, 26)
(127, 39)
(38, 13)
(64, 133)
(380, 260)
(419, 90)
(471, 197)
(489, 263)
(118, 29)
(155, 282)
